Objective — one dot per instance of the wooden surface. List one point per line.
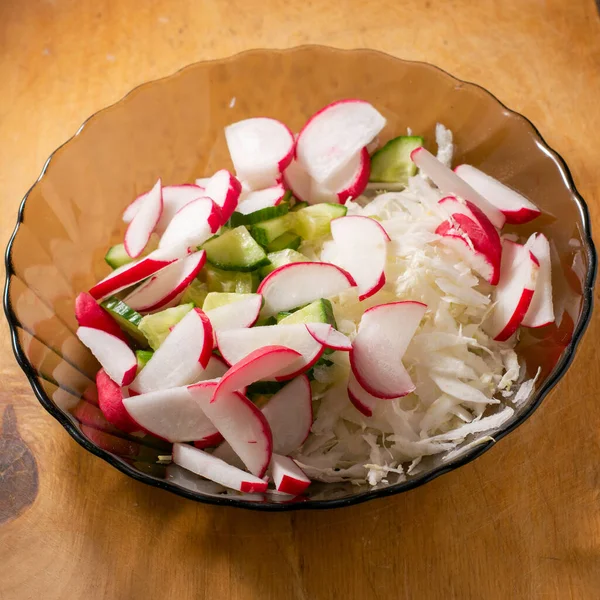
(523, 521)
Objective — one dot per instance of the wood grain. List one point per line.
(523, 521)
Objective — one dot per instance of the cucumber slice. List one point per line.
(313, 221)
(117, 256)
(217, 299)
(195, 293)
(287, 240)
(392, 164)
(319, 311)
(299, 204)
(157, 327)
(235, 250)
(264, 387)
(264, 214)
(266, 322)
(267, 231)
(280, 258)
(229, 281)
(143, 356)
(127, 319)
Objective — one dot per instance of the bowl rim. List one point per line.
(559, 369)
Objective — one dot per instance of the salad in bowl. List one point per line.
(332, 310)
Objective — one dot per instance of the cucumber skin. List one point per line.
(267, 231)
(127, 319)
(392, 163)
(258, 216)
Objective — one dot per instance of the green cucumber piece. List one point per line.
(392, 163)
(117, 256)
(143, 356)
(264, 388)
(157, 327)
(235, 250)
(319, 311)
(298, 205)
(313, 221)
(287, 240)
(265, 322)
(263, 214)
(127, 318)
(217, 299)
(195, 293)
(229, 281)
(267, 231)
(280, 258)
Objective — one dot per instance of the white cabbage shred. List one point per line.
(464, 379)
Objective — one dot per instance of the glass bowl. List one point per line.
(173, 128)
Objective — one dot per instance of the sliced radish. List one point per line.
(165, 286)
(334, 135)
(175, 197)
(361, 399)
(348, 184)
(515, 207)
(143, 223)
(362, 245)
(215, 469)
(192, 225)
(298, 181)
(224, 189)
(514, 291)
(132, 273)
(90, 314)
(288, 477)
(471, 235)
(269, 197)
(450, 183)
(209, 441)
(174, 414)
(383, 336)
(215, 368)
(236, 315)
(181, 358)
(262, 363)
(297, 284)
(260, 149)
(290, 416)
(110, 401)
(226, 453)
(329, 337)
(115, 356)
(541, 310)
(241, 424)
(236, 344)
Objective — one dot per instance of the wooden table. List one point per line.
(523, 521)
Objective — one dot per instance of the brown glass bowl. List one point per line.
(173, 128)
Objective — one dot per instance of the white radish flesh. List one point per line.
(541, 309)
(224, 189)
(288, 477)
(329, 337)
(260, 199)
(236, 315)
(143, 223)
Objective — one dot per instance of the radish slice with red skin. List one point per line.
(514, 291)
(243, 313)
(110, 401)
(224, 189)
(256, 366)
(133, 273)
(204, 464)
(172, 415)
(471, 235)
(331, 137)
(298, 181)
(181, 358)
(209, 441)
(383, 336)
(269, 197)
(361, 399)
(450, 183)
(290, 416)
(175, 197)
(297, 284)
(90, 314)
(192, 225)
(115, 356)
(215, 368)
(260, 149)
(143, 223)
(288, 477)
(236, 344)
(165, 286)
(349, 184)
(329, 337)
(362, 245)
(541, 310)
(242, 425)
(515, 207)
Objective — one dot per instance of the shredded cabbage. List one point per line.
(464, 379)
